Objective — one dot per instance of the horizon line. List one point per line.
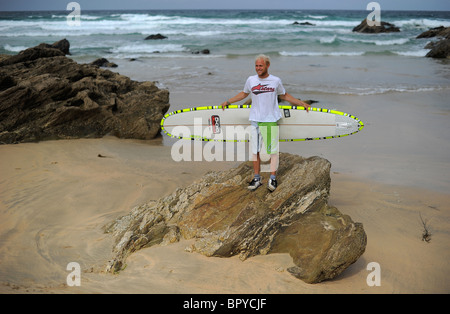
(224, 9)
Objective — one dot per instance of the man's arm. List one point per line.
(234, 99)
(297, 102)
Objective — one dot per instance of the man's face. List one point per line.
(261, 68)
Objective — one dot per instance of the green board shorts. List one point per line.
(264, 133)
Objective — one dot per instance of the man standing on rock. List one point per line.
(264, 114)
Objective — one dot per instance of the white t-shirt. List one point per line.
(264, 98)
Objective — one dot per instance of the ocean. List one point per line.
(327, 40)
(225, 33)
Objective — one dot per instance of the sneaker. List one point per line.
(272, 185)
(254, 184)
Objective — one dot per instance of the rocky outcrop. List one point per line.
(385, 27)
(303, 23)
(440, 31)
(226, 219)
(441, 48)
(155, 37)
(104, 63)
(203, 52)
(45, 95)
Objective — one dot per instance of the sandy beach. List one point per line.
(56, 196)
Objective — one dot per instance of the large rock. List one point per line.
(385, 27)
(102, 62)
(440, 31)
(441, 48)
(45, 95)
(155, 37)
(227, 219)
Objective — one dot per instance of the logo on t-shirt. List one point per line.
(260, 89)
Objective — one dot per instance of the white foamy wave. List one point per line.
(421, 23)
(328, 40)
(358, 91)
(389, 42)
(148, 48)
(317, 17)
(414, 53)
(321, 53)
(89, 25)
(328, 24)
(14, 48)
(336, 23)
(82, 17)
(315, 29)
(399, 41)
(146, 18)
(179, 20)
(200, 33)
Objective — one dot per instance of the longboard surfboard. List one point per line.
(211, 123)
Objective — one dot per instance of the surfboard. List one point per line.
(211, 123)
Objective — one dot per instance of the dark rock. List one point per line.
(31, 54)
(430, 45)
(62, 45)
(102, 62)
(440, 50)
(314, 240)
(385, 27)
(203, 52)
(45, 95)
(303, 23)
(226, 219)
(155, 37)
(440, 31)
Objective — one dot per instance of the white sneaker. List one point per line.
(254, 184)
(272, 185)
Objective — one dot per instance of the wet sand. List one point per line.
(55, 197)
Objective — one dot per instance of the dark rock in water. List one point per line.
(303, 23)
(226, 219)
(203, 52)
(31, 54)
(441, 48)
(45, 95)
(440, 31)
(385, 27)
(102, 62)
(62, 45)
(155, 37)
